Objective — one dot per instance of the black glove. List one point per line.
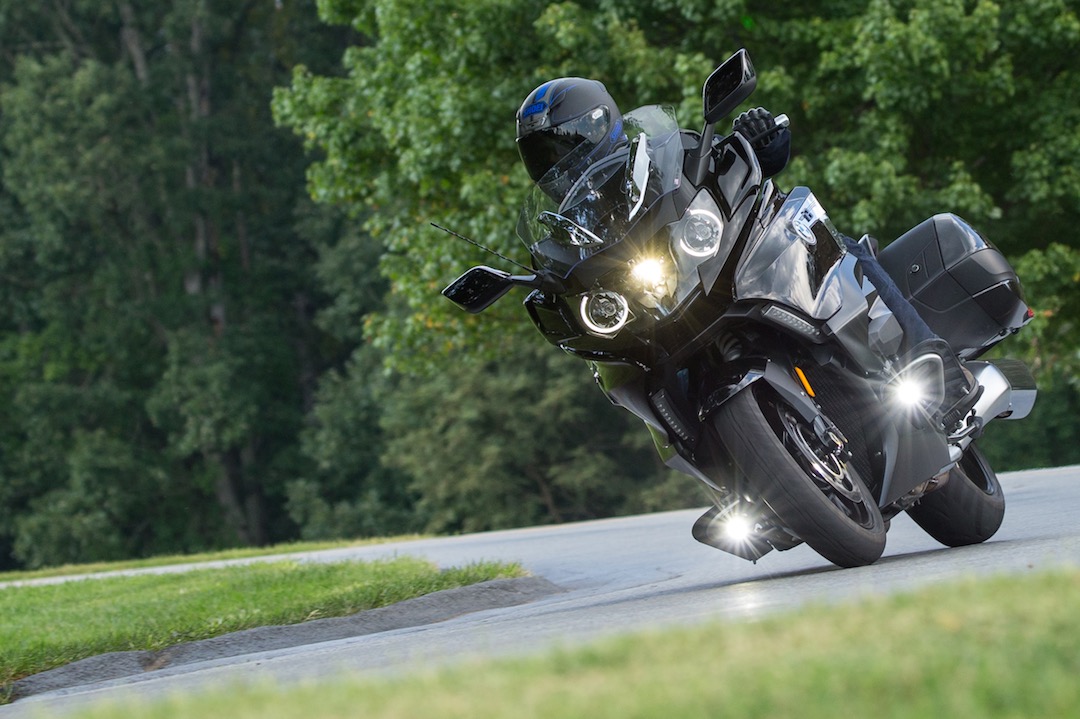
(771, 144)
(756, 126)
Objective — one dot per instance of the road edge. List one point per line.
(427, 609)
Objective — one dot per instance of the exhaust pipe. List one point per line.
(1009, 389)
(1008, 393)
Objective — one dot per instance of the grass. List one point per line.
(45, 626)
(221, 555)
(1005, 647)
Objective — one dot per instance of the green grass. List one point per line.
(45, 626)
(1006, 647)
(225, 554)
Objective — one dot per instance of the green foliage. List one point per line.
(193, 353)
(85, 519)
(159, 332)
(350, 492)
(525, 439)
(1051, 278)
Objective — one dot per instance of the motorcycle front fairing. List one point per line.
(659, 242)
(595, 224)
(631, 241)
(794, 261)
(798, 276)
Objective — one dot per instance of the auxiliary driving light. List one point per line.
(909, 392)
(921, 383)
(738, 528)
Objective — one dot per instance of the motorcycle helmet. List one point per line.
(571, 115)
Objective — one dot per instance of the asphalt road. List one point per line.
(623, 575)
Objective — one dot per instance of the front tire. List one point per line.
(816, 495)
(968, 509)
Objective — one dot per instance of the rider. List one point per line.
(574, 122)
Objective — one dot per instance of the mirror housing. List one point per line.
(478, 289)
(482, 286)
(728, 86)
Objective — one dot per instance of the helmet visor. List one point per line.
(540, 150)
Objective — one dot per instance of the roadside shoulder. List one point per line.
(428, 609)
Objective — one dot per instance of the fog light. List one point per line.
(738, 528)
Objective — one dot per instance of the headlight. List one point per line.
(699, 232)
(697, 238)
(649, 273)
(663, 276)
(653, 281)
(604, 312)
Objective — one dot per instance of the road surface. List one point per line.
(620, 575)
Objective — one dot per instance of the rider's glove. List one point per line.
(771, 143)
(755, 123)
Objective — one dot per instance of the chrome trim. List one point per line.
(997, 393)
(1023, 400)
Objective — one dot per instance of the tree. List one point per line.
(522, 440)
(160, 351)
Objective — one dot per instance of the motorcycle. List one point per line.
(729, 316)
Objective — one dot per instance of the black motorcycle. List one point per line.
(728, 316)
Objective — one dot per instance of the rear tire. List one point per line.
(968, 509)
(819, 498)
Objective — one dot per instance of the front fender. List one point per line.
(734, 377)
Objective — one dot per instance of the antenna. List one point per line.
(474, 243)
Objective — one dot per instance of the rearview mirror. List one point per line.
(478, 289)
(728, 86)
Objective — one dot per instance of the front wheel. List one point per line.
(815, 493)
(968, 508)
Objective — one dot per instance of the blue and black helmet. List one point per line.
(564, 115)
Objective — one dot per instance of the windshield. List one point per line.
(583, 205)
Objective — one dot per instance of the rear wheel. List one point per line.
(814, 491)
(968, 509)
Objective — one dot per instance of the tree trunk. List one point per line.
(132, 41)
(242, 501)
(227, 488)
(546, 495)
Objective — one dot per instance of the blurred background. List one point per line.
(220, 320)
